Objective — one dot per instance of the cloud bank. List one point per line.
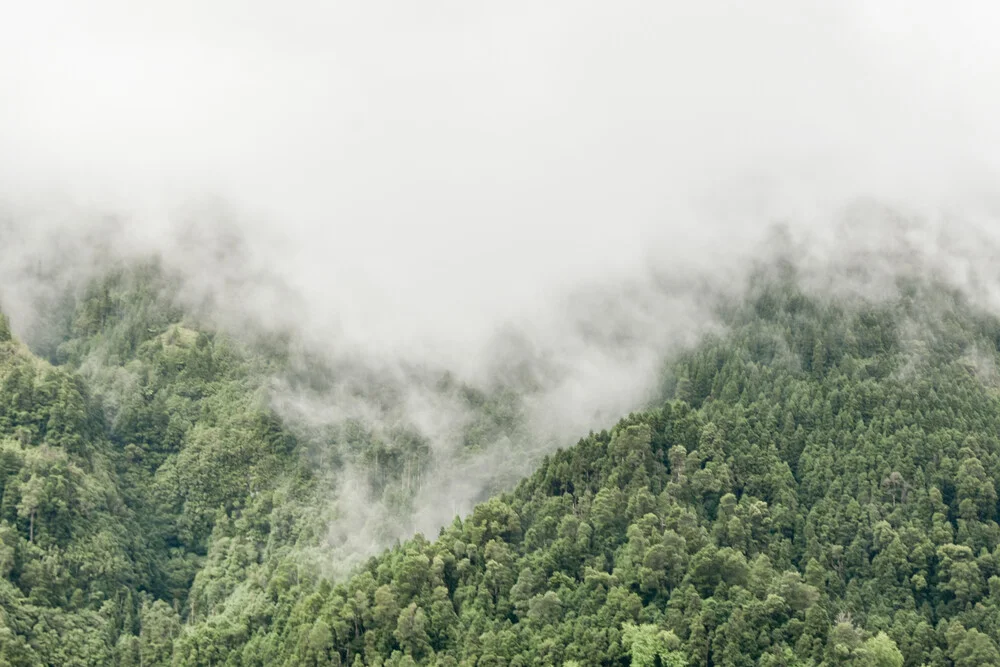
(487, 189)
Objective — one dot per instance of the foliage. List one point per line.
(818, 487)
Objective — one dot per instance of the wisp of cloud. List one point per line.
(532, 195)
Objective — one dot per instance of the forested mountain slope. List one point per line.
(116, 465)
(817, 487)
(145, 475)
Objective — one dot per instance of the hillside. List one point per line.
(817, 486)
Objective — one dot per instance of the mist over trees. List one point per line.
(477, 334)
(815, 484)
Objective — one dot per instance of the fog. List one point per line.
(467, 186)
(400, 164)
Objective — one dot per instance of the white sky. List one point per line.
(400, 162)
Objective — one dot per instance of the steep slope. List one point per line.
(821, 490)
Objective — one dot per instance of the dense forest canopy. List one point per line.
(816, 484)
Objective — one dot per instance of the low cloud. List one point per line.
(544, 198)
